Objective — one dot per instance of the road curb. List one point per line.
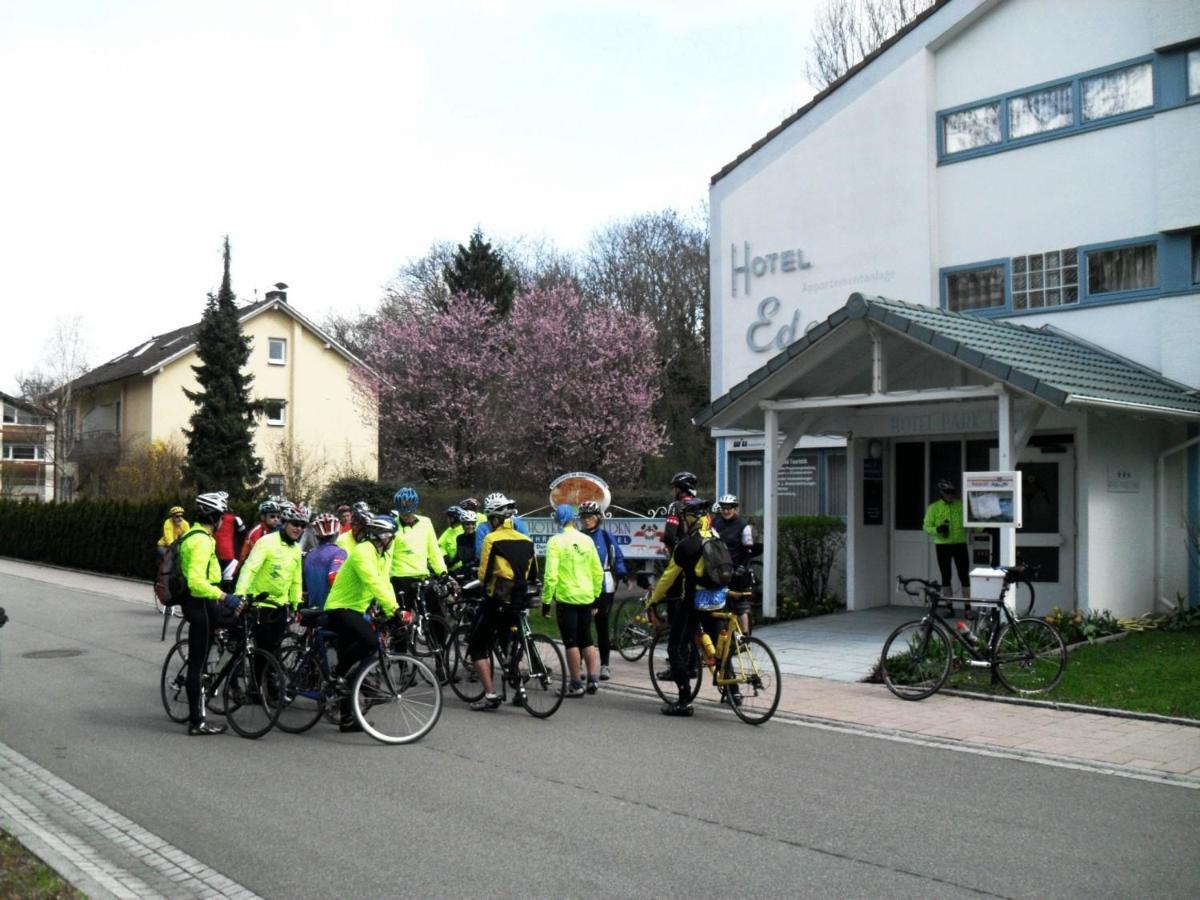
(949, 743)
(46, 565)
(1075, 708)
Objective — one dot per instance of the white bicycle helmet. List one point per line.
(497, 504)
(728, 500)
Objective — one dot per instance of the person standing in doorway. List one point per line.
(944, 523)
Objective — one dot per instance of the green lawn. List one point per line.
(1150, 671)
(24, 875)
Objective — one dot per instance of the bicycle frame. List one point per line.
(997, 612)
(727, 641)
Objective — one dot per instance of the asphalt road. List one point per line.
(607, 798)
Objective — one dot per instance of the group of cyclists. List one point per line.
(346, 562)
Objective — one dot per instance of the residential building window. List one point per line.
(22, 451)
(981, 288)
(1045, 279)
(1120, 91)
(10, 413)
(1196, 259)
(277, 351)
(971, 128)
(1128, 268)
(1193, 66)
(275, 485)
(1040, 111)
(275, 411)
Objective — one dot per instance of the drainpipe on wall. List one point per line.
(1160, 504)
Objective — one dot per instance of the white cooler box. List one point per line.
(986, 583)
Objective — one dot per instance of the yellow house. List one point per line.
(302, 376)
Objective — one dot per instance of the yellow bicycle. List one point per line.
(744, 670)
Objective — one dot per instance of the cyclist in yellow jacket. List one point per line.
(505, 568)
(361, 579)
(274, 568)
(173, 529)
(574, 578)
(415, 552)
(205, 606)
(944, 523)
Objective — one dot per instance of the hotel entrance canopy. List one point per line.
(876, 353)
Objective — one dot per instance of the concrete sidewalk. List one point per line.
(1129, 746)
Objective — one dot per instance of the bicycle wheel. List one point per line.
(463, 680)
(173, 684)
(397, 699)
(542, 677)
(659, 664)
(1030, 656)
(304, 700)
(631, 631)
(220, 654)
(253, 702)
(1023, 597)
(916, 660)
(759, 684)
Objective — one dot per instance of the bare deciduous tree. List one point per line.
(846, 31)
(49, 386)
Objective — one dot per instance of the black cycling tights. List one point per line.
(603, 641)
(203, 617)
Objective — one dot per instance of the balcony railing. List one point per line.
(92, 444)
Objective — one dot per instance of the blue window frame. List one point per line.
(1099, 98)
(982, 287)
(1139, 268)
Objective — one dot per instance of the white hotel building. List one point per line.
(978, 250)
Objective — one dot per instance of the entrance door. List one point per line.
(912, 551)
(1047, 536)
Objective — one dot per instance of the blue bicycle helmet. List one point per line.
(564, 513)
(406, 501)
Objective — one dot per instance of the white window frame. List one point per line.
(272, 359)
(282, 420)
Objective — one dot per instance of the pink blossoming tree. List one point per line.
(464, 397)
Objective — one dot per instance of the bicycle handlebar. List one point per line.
(926, 586)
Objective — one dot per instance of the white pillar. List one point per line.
(853, 502)
(1007, 463)
(770, 517)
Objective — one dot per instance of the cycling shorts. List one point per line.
(574, 624)
(491, 617)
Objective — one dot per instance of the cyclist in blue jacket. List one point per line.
(612, 560)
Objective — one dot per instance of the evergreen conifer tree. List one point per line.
(477, 270)
(221, 439)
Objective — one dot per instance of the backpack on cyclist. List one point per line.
(718, 564)
(170, 585)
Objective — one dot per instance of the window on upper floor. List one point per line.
(277, 351)
(971, 128)
(1134, 269)
(1071, 105)
(977, 288)
(1040, 111)
(1196, 259)
(10, 413)
(275, 411)
(22, 451)
(1193, 70)
(1045, 279)
(1127, 268)
(1119, 91)
(274, 485)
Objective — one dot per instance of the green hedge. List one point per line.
(116, 537)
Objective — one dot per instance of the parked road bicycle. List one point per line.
(635, 623)
(396, 698)
(744, 670)
(531, 665)
(241, 682)
(1026, 655)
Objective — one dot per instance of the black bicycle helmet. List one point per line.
(685, 481)
(946, 486)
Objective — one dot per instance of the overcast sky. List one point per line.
(333, 141)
